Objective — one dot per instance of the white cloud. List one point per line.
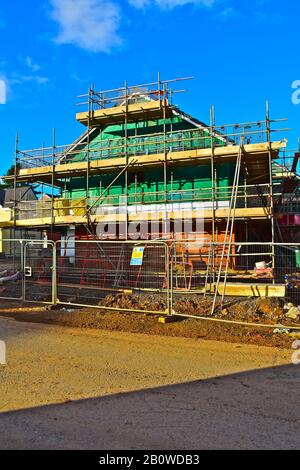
(18, 79)
(139, 3)
(31, 64)
(32, 73)
(230, 13)
(168, 4)
(89, 24)
(22, 77)
(39, 79)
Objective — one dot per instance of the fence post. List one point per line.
(22, 254)
(169, 251)
(54, 274)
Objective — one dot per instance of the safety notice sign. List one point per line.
(137, 256)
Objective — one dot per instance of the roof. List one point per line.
(136, 98)
(24, 193)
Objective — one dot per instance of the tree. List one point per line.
(4, 184)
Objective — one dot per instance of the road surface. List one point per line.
(65, 388)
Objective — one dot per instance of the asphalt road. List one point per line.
(66, 388)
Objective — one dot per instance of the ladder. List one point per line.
(182, 268)
(229, 229)
(209, 269)
(90, 225)
(120, 267)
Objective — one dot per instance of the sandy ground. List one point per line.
(67, 388)
(148, 324)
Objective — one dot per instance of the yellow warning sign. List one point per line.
(137, 256)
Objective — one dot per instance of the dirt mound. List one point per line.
(258, 310)
(264, 311)
(148, 324)
(261, 310)
(143, 302)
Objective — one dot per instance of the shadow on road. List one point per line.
(253, 410)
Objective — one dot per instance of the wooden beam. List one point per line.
(253, 290)
(222, 154)
(116, 113)
(253, 213)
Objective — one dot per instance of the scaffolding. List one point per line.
(256, 190)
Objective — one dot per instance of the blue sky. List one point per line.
(241, 52)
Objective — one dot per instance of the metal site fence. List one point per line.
(24, 266)
(147, 276)
(107, 274)
(220, 271)
(11, 267)
(262, 262)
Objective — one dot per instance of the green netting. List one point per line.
(184, 184)
(143, 139)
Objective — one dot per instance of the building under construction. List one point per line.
(145, 169)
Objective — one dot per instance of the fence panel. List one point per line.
(220, 272)
(287, 270)
(39, 272)
(11, 269)
(113, 275)
(153, 276)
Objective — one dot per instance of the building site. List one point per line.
(151, 207)
(149, 229)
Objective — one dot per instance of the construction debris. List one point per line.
(13, 278)
(294, 334)
(293, 313)
(262, 310)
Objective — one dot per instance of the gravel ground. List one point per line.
(70, 388)
(148, 324)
